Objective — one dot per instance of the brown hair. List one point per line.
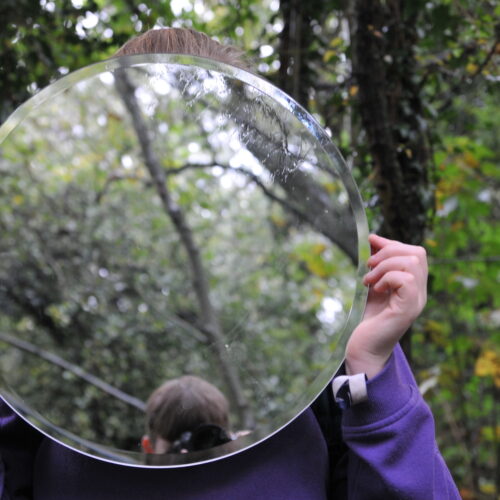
(183, 404)
(183, 41)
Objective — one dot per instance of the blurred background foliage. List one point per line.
(409, 92)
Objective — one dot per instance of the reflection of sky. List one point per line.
(107, 78)
(160, 86)
(147, 99)
(243, 158)
(127, 162)
(232, 179)
(330, 308)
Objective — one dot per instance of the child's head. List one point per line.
(180, 406)
(182, 41)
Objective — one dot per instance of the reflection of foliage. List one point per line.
(101, 269)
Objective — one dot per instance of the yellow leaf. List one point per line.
(433, 326)
(278, 221)
(488, 433)
(18, 199)
(488, 365)
(471, 68)
(329, 55)
(336, 42)
(317, 268)
(488, 488)
(431, 243)
(318, 248)
(331, 187)
(471, 160)
(353, 90)
(438, 331)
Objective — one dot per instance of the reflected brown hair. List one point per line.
(183, 404)
(183, 41)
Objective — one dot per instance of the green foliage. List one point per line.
(458, 335)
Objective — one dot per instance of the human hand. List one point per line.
(397, 295)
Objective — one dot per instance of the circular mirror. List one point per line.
(178, 231)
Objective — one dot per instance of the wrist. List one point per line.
(368, 363)
(388, 393)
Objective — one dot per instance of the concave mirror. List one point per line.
(167, 218)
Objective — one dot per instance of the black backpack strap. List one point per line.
(329, 417)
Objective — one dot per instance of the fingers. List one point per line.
(400, 268)
(410, 264)
(385, 249)
(397, 294)
(409, 297)
(394, 280)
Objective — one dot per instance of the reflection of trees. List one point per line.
(74, 369)
(95, 270)
(268, 139)
(210, 325)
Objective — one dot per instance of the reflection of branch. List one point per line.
(199, 279)
(194, 329)
(304, 216)
(335, 221)
(85, 444)
(74, 369)
(114, 177)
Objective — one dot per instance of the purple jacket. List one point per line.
(392, 455)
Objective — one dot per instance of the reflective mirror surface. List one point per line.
(170, 222)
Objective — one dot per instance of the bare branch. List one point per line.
(114, 177)
(75, 370)
(303, 216)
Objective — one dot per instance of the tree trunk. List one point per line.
(382, 42)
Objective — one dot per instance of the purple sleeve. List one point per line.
(18, 445)
(393, 452)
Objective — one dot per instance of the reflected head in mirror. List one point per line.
(183, 41)
(185, 414)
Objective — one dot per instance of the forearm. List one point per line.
(393, 452)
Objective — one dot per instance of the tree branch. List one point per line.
(75, 370)
(458, 86)
(114, 177)
(301, 215)
(335, 221)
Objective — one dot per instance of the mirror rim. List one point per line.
(308, 122)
